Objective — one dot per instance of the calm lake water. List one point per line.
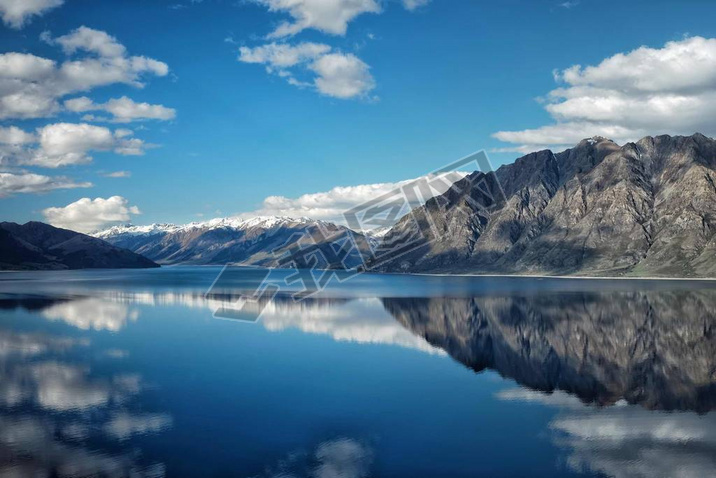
(128, 373)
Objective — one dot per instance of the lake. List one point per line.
(138, 373)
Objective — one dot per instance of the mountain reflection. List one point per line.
(652, 348)
(655, 348)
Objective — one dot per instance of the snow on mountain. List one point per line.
(264, 222)
(249, 241)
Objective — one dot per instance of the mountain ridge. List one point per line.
(642, 209)
(258, 241)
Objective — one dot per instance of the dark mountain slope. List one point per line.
(35, 245)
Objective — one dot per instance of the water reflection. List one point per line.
(337, 458)
(627, 441)
(655, 349)
(628, 372)
(92, 313)
(52, 407)
(353, 320)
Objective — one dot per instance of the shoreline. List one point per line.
(420, 274)
(540, 276)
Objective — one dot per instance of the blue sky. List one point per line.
(429, 82)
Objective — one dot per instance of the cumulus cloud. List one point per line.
(282, 55)
(24, 182)
(645, 91)
(63, 144)
(123, 110)
(90, 40)
(30, 86)
(335, 74)
(329, 17)
(14, 136)
(17, 13)
(342, 75)
(330, 205)
(87, 215)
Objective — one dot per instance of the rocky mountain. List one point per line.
(260, 241)
(35, 245)
(643, 209)
(652, 348)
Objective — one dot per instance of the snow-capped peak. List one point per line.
(238, 223)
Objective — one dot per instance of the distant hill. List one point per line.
(643, 209)
(258, 241)
(35, 245)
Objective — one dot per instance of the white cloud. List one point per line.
(118, 174)
(327, 16)
(336, 74)
(330, 205)
(15, 136)
(80, 105)
(646, 91)
(63, 144)
(24, 66)
(16, 13)
(282, 55)
(90, 40)
(339, 75)
(87, 215)
(123, 110)
(342, 75)
(30, 86)
(24, 182)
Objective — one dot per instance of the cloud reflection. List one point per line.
(58, 418)
(628, 441)
(92, 314)
(338, 458)
(362, 321)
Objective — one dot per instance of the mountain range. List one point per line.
(35, 245)
(597, 209)
(259, 241)
(643, 209)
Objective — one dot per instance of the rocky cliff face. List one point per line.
(40, 246)
(646, 208)
(652, 348)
